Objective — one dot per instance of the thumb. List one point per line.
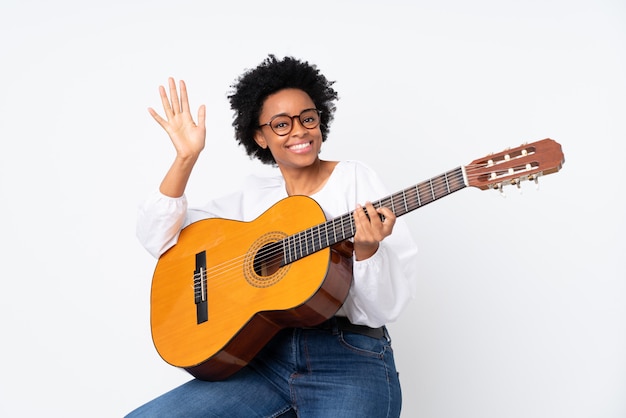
(202, 116)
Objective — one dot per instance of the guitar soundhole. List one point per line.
(262, 266)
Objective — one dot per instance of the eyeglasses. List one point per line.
(283, 124)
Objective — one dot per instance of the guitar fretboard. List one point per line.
(342, 227)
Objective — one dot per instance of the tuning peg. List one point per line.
(500, 187)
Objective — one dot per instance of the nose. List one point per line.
(296, 125)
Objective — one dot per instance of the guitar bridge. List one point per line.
(200, 288)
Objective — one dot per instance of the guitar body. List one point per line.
(244, 302)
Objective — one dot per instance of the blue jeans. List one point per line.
(300, 373)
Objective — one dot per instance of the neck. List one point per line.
(308, 180)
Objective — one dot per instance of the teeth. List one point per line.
(299, 146)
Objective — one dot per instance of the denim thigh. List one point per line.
(302, 372)
(333, 373)
(243, 395)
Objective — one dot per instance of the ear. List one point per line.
(259, 138)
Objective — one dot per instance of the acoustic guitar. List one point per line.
(227, 287)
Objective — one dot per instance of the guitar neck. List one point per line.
(342, 227)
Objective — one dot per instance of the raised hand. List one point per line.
(187, 136)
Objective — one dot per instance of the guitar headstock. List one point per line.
(514, 165)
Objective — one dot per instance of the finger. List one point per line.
(175, 104)
(360, 213)
(167, 107)
(389, 217)
(157, 117)
(373, 212)
(201, 116)
(184, 100)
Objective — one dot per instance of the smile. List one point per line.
(301, 146)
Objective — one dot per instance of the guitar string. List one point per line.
(269, 254)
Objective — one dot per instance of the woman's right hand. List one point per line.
(187, 136)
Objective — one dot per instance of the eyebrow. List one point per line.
(286, 114)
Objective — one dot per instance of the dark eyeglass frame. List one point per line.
(319, 119)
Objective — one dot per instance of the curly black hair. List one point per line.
(255, 85)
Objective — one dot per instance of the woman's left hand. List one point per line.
(371, 230)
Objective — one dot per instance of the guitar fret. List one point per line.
(398, 201)
(289, 244)
(352, 228)
(436, 185)
(319, 238)
(306, 242)
(417, 194)
(424, 193)
(327, 237)
(290, 248)
(313, 236)
(340, 230)
(406, 208)
(304, 236)
(285, 251)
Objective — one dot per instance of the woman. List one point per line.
(343, 367)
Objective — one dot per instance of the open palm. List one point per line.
(187, 136)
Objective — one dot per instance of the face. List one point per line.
(300, 147)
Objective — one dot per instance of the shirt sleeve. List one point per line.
(160, 218)
(385, 283)
(159, 221)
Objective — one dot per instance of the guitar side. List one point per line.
(245, 304)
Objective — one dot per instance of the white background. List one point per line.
(522, 300)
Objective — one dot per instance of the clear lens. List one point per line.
(282, 125)
(309, 118)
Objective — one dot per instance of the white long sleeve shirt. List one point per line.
(382, 285)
